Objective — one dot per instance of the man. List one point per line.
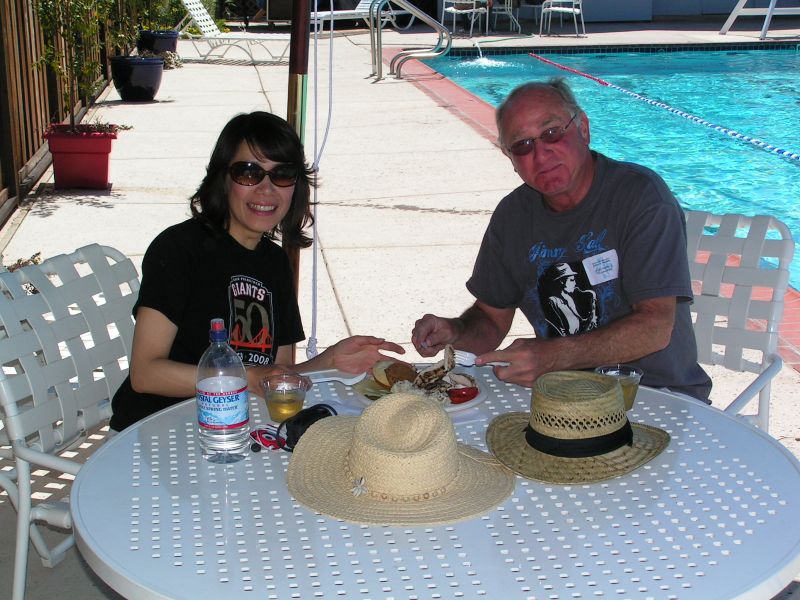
(618, 230)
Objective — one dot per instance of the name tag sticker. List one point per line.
(602, 267)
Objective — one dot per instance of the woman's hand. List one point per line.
(359, 353)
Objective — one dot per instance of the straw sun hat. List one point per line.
(576, 432)
(398, 463)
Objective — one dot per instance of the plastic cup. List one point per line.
(285, 395)
(628, 376)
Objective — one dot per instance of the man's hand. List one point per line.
(528, 358)
(645, 330)
(431, 334)
(480, 328)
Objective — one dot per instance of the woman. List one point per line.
(224, 262)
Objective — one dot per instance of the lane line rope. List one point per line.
(732, 133)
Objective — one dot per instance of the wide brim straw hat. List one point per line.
(576, 432)
(398, 463)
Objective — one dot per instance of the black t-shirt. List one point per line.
(191, 275)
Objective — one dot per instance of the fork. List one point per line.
(467, 359)
(335, 375)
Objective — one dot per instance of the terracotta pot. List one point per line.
(80, 160)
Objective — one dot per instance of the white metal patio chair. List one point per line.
(561, 8)
(65, 339)
(214, 44)
(740, 271)
(473, 9)
(361, 11)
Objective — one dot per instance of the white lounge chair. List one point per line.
(66, 331)
(213, 44)
(740, 270)
(361, 11)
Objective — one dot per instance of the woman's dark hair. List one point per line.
(269, 137)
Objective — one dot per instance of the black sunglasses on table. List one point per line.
(550, 135)
(249, 174)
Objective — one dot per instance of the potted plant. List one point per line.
(71, 49)
(136, 78)
(157, 19)
(157, 41)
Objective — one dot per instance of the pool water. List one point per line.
(756, 93)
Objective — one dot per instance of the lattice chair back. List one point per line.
(740, 272)
(66, 332)
(202, 20)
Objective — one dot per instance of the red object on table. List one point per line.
(460, 395)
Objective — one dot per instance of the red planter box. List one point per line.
(80, 160)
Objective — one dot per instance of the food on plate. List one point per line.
(429, 378)
(437, 381)
(388, 372)
(379, 372)
(461, 395)
(400, 371)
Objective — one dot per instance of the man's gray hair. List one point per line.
(557, 85)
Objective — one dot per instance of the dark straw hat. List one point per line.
(577, 432)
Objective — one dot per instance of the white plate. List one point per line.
(363, 400)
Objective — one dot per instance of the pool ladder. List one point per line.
(441, 47)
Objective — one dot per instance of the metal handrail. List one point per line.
(441, 47)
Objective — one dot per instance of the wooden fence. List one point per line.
(30, 98)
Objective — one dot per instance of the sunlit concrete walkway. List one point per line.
(408, 184)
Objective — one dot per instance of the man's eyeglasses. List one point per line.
(249, 174)
(551, 135)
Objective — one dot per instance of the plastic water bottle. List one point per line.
(222, 400)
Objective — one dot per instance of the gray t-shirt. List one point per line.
(574, 271)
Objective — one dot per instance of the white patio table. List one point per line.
(717, 515)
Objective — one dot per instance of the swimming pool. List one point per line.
(753, 92)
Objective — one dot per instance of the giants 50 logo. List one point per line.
(252, 317)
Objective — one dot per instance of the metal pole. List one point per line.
(296, 109)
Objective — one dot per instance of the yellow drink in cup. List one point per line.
(628, 376)
(285, 395)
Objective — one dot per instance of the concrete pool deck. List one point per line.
(408, 183)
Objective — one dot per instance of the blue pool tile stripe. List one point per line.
(695, 119)
(626, 49)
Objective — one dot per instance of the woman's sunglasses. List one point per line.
(249, 174)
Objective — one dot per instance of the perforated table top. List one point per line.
(716, 515)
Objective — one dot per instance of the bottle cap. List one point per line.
(218, 332)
